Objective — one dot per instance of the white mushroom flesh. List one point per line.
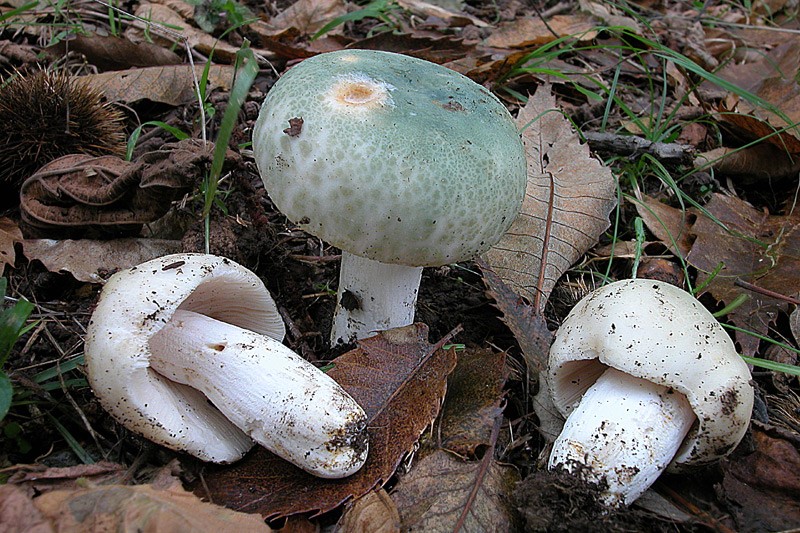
(623, 434)
(278, 398)
(372, 297)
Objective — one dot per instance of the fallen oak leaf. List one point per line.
(18, 513)
(398, 378)
(529, 327)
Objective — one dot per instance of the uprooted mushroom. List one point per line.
(175, 333)
(649, 381)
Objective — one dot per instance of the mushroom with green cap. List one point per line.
(649, 381)
(186, 351)
(399, 162)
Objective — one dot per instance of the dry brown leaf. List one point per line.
(37, 479)
(444, 494)
(524, 32)
(765, 485)
(19, 514)
(173, 85)
(199, 40)
(473, 401)
(609, 14)
(772, 78)
(759, 249)
(794, 323)
(375, 512)
(9, 234)
(453, 19)
(108, 52)
(93, 261)
(308, 16)
(399, 379)
(759, 163)
(437, 49)
(140, 508)
(567, 202)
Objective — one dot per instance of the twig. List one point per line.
(766, 292)
(630, 145)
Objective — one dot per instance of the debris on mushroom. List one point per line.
(399, 162)
(186, 351)
(649, 381)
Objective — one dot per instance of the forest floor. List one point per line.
(672, 156)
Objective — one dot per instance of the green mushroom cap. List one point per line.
(390, 157)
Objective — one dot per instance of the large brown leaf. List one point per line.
(173, 85)
(765, 485)
(473, 401)
(443, 493)
(140, 508)
(774, 80)
(108, 52)
(567, 202)
(757, 248)
(399, 379)
(530, 329)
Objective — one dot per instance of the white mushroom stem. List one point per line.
(625, 431)
(373, 297)
(275, 396)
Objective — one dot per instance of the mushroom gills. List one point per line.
(275, 396)
(623, 434)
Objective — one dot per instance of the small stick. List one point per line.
(766, 292)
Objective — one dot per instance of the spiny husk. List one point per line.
(46, 115)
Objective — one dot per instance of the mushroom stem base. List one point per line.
(623, 434)
(373, 297)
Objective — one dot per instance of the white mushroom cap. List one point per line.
(392, 158)
(659, 333)
(134, 305)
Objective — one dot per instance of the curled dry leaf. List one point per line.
(762, 163)
(772, 78)
(106, 195)
(567, 202)
(375, 512)
(399, 379)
